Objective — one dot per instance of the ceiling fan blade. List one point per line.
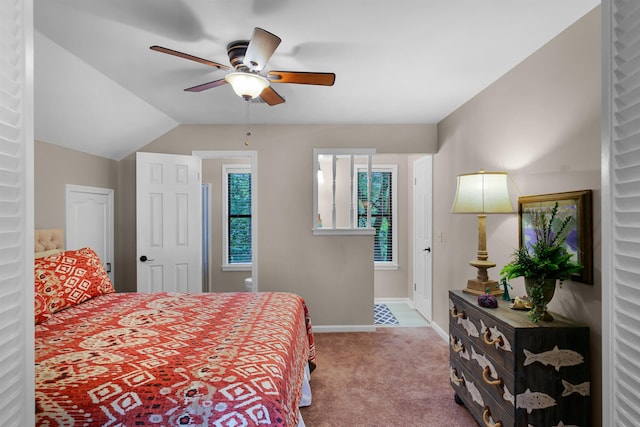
(261, 47)
(271, 97)
(190, 57)
(301, 77)
(206, 86)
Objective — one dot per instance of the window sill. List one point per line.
(236, 267)
(385, 266)
(344, 231)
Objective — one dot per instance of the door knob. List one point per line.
(427, 250)
(144, 258)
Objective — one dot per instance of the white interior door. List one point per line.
(168, 212)
(422, 219)
(89, 221)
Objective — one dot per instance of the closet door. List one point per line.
(621, 212)
(16, 213)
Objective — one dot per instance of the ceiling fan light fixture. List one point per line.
(249, 58)
(247, 85)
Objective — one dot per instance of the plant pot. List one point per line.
(540, 294)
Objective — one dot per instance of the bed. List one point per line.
(164, 359)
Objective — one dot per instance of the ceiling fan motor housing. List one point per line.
(236, 51)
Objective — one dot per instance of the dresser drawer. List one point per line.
(494, 338)
(497, 380)
(482, 405)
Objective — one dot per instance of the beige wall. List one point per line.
(387, 284)
(541, 123)
(333, 273)
(57, 166)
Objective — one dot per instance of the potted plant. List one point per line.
(543, 261)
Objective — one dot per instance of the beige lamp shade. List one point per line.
(482, 192)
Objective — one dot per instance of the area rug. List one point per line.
(383, 316)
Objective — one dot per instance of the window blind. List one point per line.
(239, 218)
(621, 212)
(380, 202)
(16, 214)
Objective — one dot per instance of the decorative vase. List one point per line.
(540, 295)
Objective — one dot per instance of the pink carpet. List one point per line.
(392, 377)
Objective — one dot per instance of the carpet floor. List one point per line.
(391, 377)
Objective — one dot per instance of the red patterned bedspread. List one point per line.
(169, 359)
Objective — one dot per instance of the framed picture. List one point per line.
(579, 242)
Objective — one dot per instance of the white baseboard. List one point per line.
(343, 328)
(440, 331)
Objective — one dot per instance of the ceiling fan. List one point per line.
(249, 58)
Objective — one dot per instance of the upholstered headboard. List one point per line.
(48, 241)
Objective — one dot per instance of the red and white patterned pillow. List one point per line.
(67, 279)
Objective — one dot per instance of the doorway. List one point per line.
(409, 282)
(216, 249)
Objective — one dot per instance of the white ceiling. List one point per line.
(100, 89)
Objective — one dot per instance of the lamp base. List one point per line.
(478, 287)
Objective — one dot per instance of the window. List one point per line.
(335, 190)
(236, 203)
(382, 203)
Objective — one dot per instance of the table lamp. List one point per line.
(482, 193)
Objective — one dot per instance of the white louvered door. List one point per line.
(621, 213)
(16, 213)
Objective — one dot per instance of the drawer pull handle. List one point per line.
(485, 417)
(488, 340)
(456, 314)
(457, 349)
(485, 376)
(455, 378)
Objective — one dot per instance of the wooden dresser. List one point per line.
(508, 371)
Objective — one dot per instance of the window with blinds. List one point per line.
(380, 204)
(237, 215)
(621, 212)
(16, 214)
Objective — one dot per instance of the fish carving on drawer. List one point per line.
(458, 347)
(484, 362)
(583, 389)
(532, 400)
(476, 396)
(508, 396)
(495, 333)
(556, 358)
(467, 324)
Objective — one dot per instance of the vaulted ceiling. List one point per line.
(100, 89)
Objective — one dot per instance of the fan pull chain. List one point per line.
(248, 134)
